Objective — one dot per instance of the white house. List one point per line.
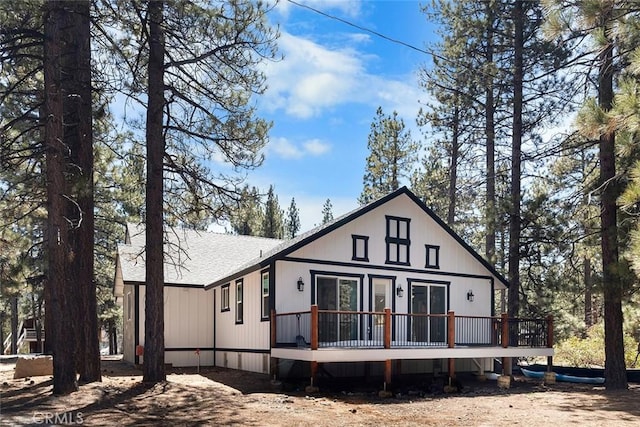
(386, 288)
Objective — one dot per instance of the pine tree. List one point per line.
(273, 222)
(604, 22)
(327, 212)
(247, 218)
(391, 156)
(292, 221)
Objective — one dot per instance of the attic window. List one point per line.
(360, 251)
(398, 240)
(433, 256)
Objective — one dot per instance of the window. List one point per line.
(239, 303)
(265, 295)
(360, 250)
(129, 304)
(398, 240)
(224, 297)
(433, 256)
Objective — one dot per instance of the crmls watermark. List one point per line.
(65, 418)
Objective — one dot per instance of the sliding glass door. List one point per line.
(340, 295)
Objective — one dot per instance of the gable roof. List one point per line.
(191, 257)
(289, 246)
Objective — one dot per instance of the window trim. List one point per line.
(239, 302)
(225, 302)
(398, 241)
(429, 263)
(263, 315)
(355, 238)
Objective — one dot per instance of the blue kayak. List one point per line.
(564, 378)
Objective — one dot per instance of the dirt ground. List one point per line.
(218, 396)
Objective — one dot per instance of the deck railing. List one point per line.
(363, 329)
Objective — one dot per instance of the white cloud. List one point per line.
(316, 147)
(283, 147)
(351, 8)
(313, 79)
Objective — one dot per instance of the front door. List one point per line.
(428, 299)
(337, 295)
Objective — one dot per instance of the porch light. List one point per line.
(300, 284)
(399, 291)
(470, 296)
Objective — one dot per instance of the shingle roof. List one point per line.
(191, 257)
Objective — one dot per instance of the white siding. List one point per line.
(252, 335)
(188, 323)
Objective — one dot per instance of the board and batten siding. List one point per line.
(245, 345)
(188, 325)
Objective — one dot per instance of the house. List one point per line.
(387, 288)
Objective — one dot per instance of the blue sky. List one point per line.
(323, 95)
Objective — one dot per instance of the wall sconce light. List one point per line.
(300, 284)
(399, 291)
(470, 296)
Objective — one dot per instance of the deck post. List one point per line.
(549, 341)
(387, 328)
(387, 373)
(313, 388)
(505, 330)
(451, 341)
(314, 327)
(506, 361)
(273, 361)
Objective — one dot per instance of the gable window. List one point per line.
(239, 302)
(224, 297)
(360, 251)
(433, 256)
(398, 240)
(265, 295)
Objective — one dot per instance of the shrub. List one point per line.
(589, 351)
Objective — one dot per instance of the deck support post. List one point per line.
(387, 380)
(506, 361)
(312, 388)
(451, 342)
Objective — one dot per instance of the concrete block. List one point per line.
(549, 378)
(33, 366)
(504, 381)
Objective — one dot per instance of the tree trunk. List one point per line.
(76, 88)
(61, 333)
(153, 364)
(490, 133)
(516, 160)
(615, 370)
(453, 168)
(15, 333)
